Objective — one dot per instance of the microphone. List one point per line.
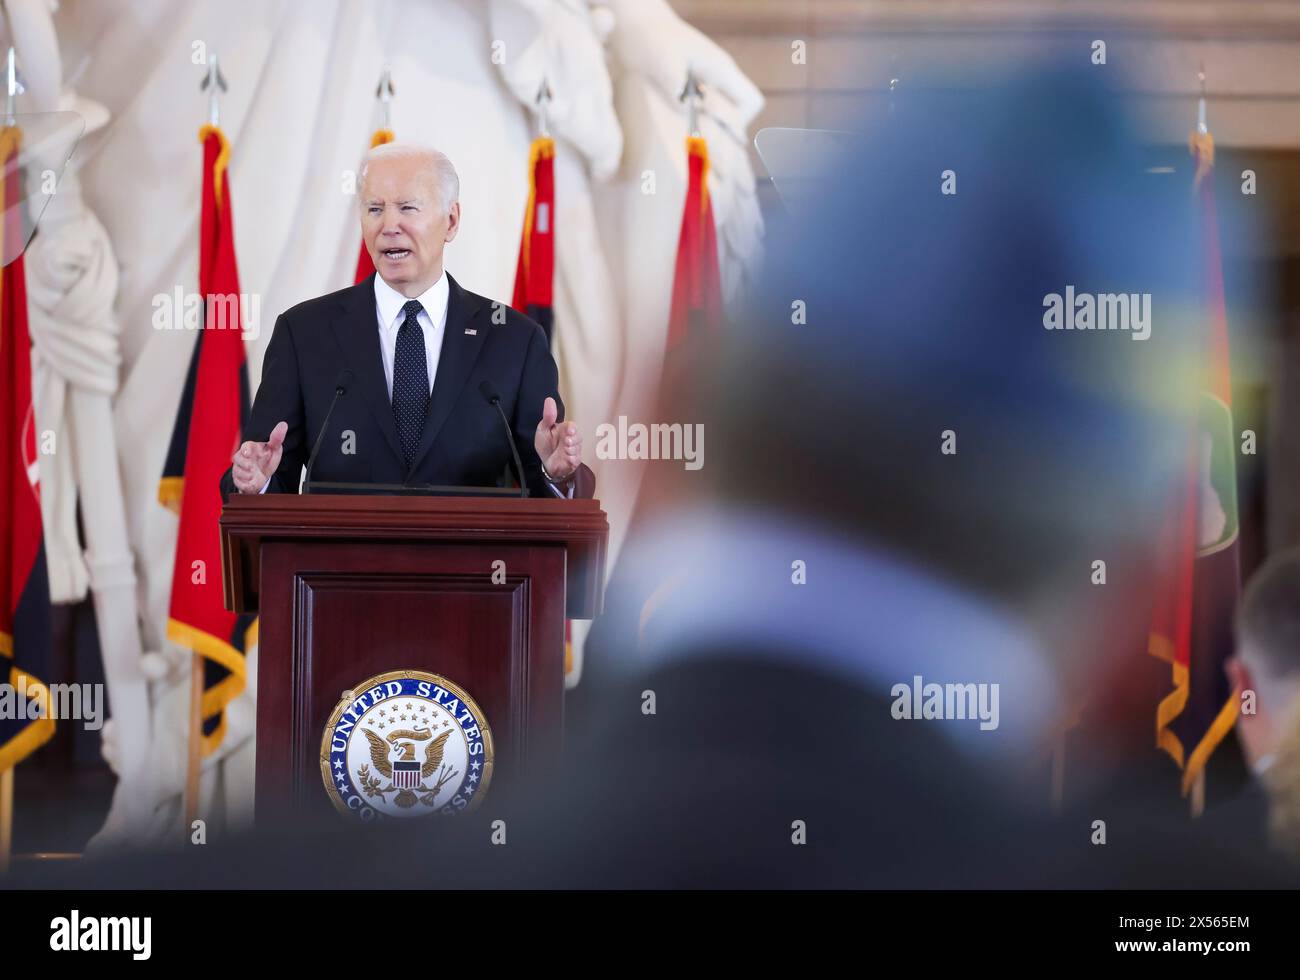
(340, 388)
(490, 393)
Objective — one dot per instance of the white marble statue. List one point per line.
(72, 283)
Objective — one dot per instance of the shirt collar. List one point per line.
(390, 302)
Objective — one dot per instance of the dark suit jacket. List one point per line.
(464, 443)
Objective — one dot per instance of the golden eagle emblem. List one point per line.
(404, 743)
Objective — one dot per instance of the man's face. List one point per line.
(404, 225)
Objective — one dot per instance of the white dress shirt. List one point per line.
(432, 319)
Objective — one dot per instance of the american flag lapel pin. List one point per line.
(470, 333)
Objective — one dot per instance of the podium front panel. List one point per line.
(348, 611)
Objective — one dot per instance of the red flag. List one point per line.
(216, 396)
(697, 286)
(25, 628)
(694, 322)
(1192, 626)
(535, 271)
(365, 267)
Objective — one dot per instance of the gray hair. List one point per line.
(436, 163)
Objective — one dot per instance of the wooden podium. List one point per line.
(348, 587)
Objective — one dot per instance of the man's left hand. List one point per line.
(558, 445)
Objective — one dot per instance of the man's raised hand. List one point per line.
(558, 446)
(254, 462)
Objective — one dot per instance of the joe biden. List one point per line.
(419, 360)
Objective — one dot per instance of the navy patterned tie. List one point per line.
(410, 382)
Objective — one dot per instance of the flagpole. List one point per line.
(6, 818)
(214, 83)
(13, 86)
(384, 93)
(542, 104)
(893, 84)
(194, 763)
(691, 95)
(1202, 126)
(1197, 799)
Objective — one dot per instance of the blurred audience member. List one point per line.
(1266, 670)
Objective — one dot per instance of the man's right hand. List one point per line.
(255, 462)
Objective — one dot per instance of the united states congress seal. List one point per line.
(406, 744)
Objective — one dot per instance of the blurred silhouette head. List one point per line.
(1268, 653)
(924, 406)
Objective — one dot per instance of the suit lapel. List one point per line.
(459, 352)
(356, 328)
